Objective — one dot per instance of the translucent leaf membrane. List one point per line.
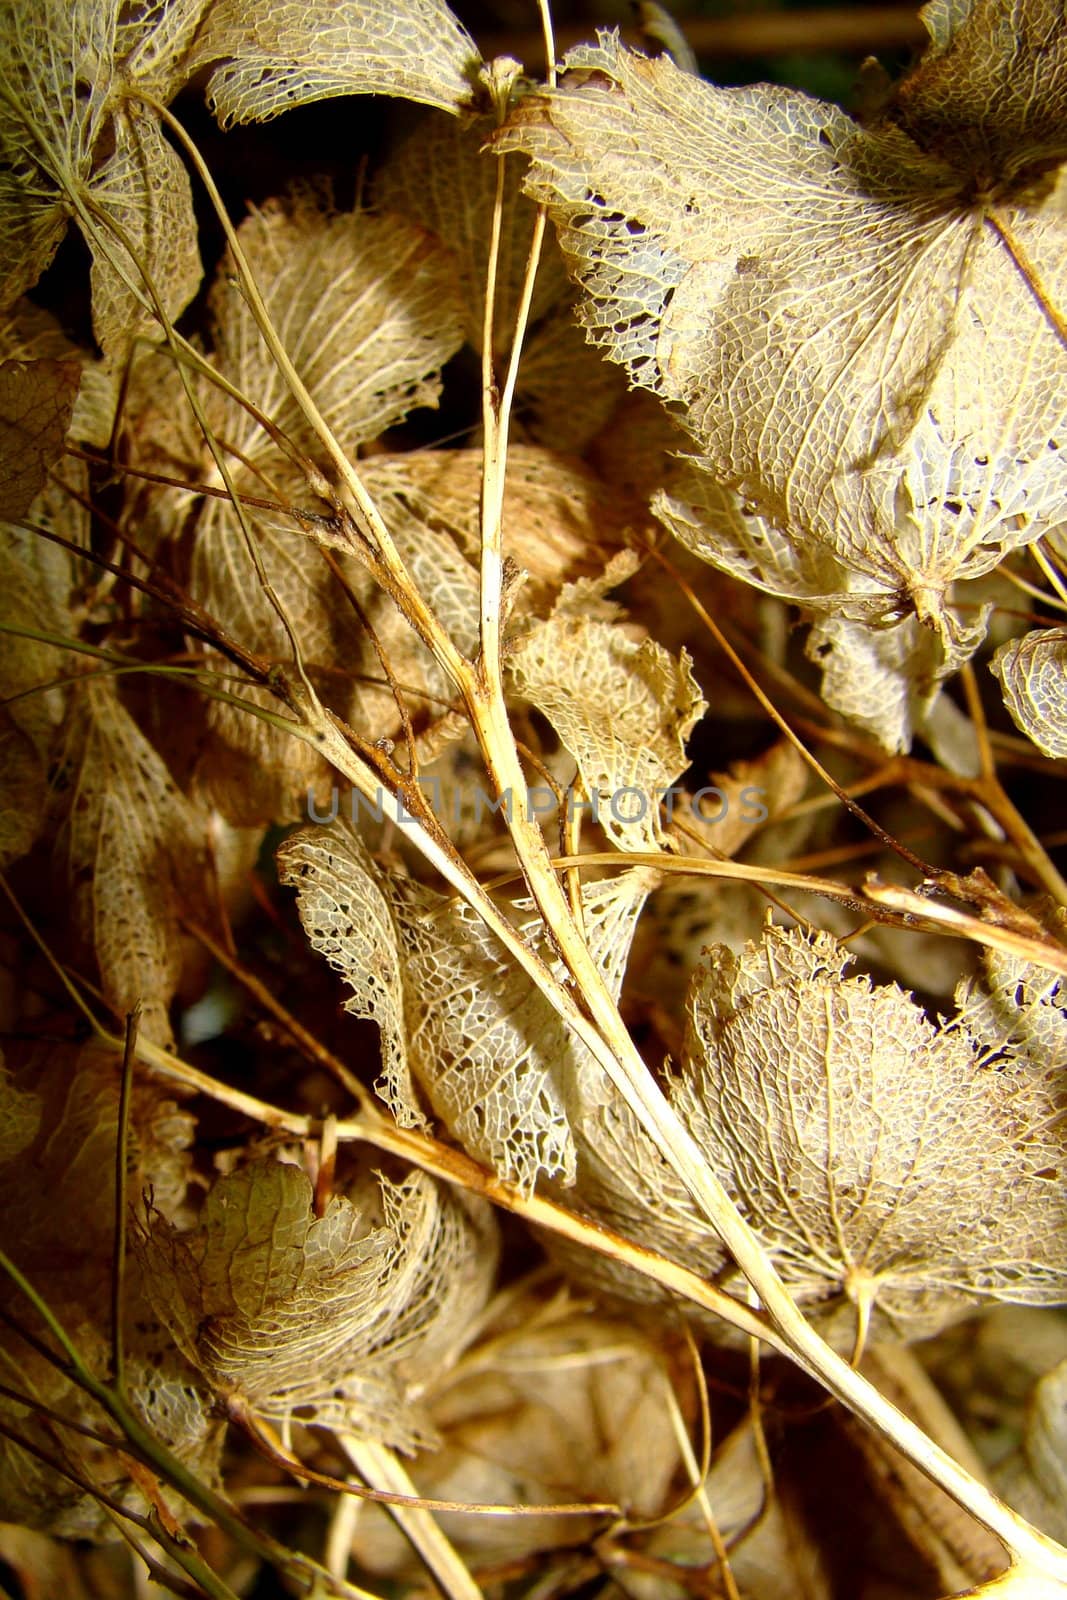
(886, 1164)
(561, 521)
(134, 850)
(368, 311)
(861, 352)
(59, 1105)
(267, 58)
(1033, 675)
(623, 710)
(27, 333)
(1033, 1478)
(444, 178)
(472, 1032)
(317, 1318)
(366, 306)
(558, 1407)
(36, 404)
(73, 142)
(774, 1554)
(144, 187)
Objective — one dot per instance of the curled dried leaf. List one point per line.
(1033, 1478)
(1033, 675)
(135, 850)
(319, 1319)
(850, 323)
(472, 1031)
(562, 1406)
(624, 711)
(887, 1167)
(266, 59)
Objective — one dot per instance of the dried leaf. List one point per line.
(348, 917)
(71, 141)
(368, 310)
(883, 1163)
(560, 521)
(1017, 1010)
(29, 668)
(366, 307)
(144, 187)
(623, 710)
(496, 1063)
(442, 177)
(314, 1318)
(61, 1105)
(502, 1070)
(561, 1406)
(36, 403)
(286, 55)
(152, 38)
(27, 333)
(49, 49)
(1033, 675)
(565, 394)
(773, 1554)
(23, 792)
(871, 381)
(885, 680)
(135, 850)
(1034, 1478)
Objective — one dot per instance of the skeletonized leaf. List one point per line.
(886, 679)
(885, 1166)
(72, 144)
(36, 403)
(49, 48)
(1033, 675)
(267, 58)
(442, 177)
(1017, 1010)
(134, 848)
(348, 918)
(503, 1072)
(145, 189)
(623, 710)
(152, 38)
(851, 345)
(366, 307)
(498, 1066)
(368, 311)
(560, 521)
(313, 1318)
(61, 1109)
